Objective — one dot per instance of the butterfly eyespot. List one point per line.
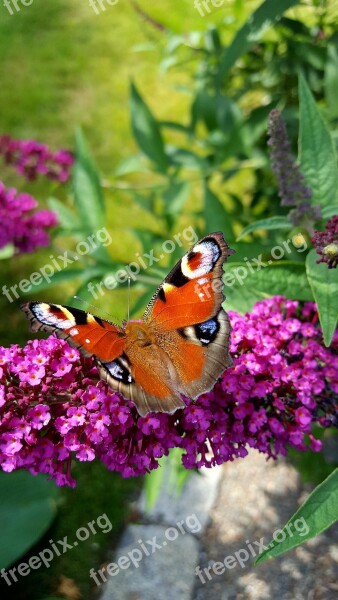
(119, 370)
(201, 259)
(206, 332)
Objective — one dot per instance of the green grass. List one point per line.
(62, 66)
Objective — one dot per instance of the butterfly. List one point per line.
(181, 346)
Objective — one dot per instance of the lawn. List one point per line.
(64, 66)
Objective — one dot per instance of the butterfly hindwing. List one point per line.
(147, 379)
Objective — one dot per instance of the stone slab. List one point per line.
(168, 572)
(197, 497)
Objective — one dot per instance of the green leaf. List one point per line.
(27, 508)
(245, 284)
(215, 215)
(204, 109)
(87, 188)
(131, 164)
(68, 219)
(188, 159)
(266, 15)
(318, 512)
(175, 197)
(171, 474)
(141, 302)
(54, 279)
(331, 81)
(277, 222)
(324, 285)
(146, 130)
(178, 474)
(174, 126)
(152, 485)
(241, 299)
(145, 201)
(329, 211)
(317, 155)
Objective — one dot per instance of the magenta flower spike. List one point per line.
(54, 408)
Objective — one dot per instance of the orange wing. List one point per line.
(180, 347)
(187, 318)
(83, 330)
(144, 377)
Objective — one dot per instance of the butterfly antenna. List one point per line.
(92, 305)
(128, 299)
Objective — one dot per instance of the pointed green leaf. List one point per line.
(67, 218)
(324, 285)
(175, 197)
(178, 474)
(277, 222)
(188, 160)
(331, 81)
(146, 130)
(87, 188)
(317, 155)
(55, 278)
(152, 485)
(266, 15)
(131, 164)
(69, 274)
(318, 512)
(215, 215)
(329, 211)
(246, 283)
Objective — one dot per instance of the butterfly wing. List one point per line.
(83, 330)
(145, 380)
(189, 329)
(187, 318)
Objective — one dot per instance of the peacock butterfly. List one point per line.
(181, 346)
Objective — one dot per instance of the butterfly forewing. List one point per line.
(188, 304)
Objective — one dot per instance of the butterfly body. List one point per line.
(180, 347)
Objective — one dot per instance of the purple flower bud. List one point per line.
(30, 158)
(19, 226)
(292, 188)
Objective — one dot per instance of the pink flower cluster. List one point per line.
(25, 229)
(53, 407)
(30, 158)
